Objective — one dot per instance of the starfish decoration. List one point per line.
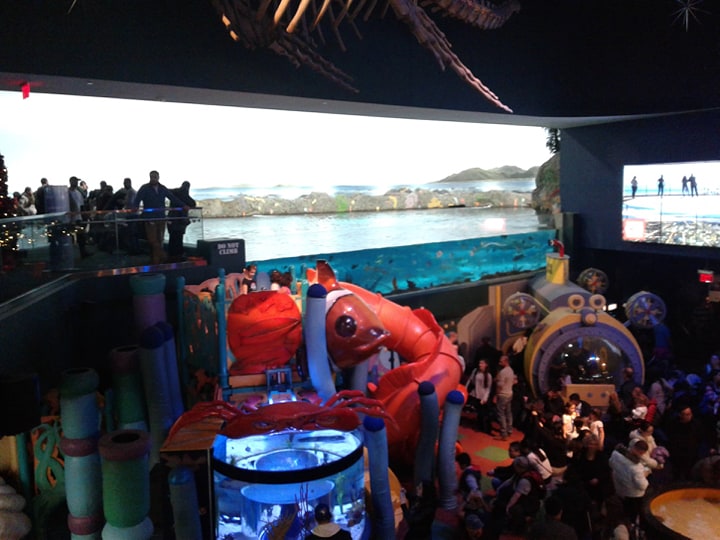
(688, 9)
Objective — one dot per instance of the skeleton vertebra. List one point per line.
(293, 32)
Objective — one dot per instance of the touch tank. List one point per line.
(683, 513)
(267, 486)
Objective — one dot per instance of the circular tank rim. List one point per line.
(662, 531)
(288, 477)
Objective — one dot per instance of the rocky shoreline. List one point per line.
(323, 203)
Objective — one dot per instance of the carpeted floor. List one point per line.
(485, 451)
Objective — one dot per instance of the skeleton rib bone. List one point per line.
(281, 26)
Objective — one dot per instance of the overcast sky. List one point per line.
(706, 173)
(57, 136)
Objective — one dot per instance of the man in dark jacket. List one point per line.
(152, 196)
(179, 222)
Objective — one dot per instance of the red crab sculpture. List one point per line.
(339, 413)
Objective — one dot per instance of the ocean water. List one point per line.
(388, 251)
(673, 208)
(274, 237)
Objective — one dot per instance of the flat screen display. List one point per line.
(672, 203)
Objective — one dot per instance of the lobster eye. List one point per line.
(345, 326)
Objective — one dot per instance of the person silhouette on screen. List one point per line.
(661, 186)
(633, 186)
(693, 185)
(685, 185)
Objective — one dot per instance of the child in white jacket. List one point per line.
(654, 458)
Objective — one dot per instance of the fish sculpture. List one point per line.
(353, 330)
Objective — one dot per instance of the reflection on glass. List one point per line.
(588, 360)
(256, 498)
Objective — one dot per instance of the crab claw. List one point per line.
(201, 411)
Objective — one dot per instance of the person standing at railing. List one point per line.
(179, 222)
(40, 196)
(27, 203)
(130, 193)
(152, 197)
(104, 198)
(83, 188)
(76, 205)
(132, 229)
(114, 231)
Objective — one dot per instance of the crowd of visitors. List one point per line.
(579, 471)
(107, 218)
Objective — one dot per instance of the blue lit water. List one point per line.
(394, 251)
(267, 485)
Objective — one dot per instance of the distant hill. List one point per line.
(506, 172)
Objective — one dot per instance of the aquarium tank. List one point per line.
(267, 486)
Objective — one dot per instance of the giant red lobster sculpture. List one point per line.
(292, 28)
(414, 334)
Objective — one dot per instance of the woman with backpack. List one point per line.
(519, 498)
(537, 458)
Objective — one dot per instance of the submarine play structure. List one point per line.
(567, 336)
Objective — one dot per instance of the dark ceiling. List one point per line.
(554, 59)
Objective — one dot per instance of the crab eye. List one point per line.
(345, 326)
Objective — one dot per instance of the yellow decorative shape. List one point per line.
(557, 268)
(435, 203)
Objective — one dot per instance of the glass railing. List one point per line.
(35, 249)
